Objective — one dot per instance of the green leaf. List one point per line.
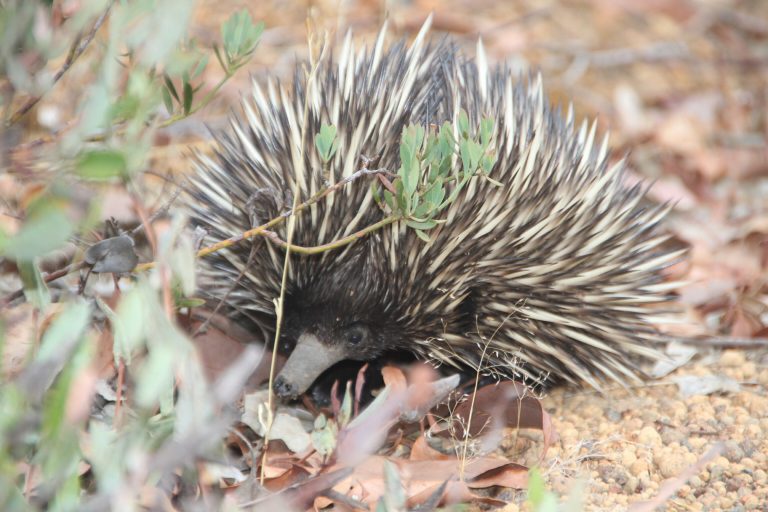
(466, 157)
(471, 152)
(403, 199)
(435, 194)
(487, 162)
(127, 323)
(155, 378)
(326, 142)
(217, 52)
(59, 451)
(253, 36)
(389, 199)
(447, 145)
(180, 256)
(189, 302)
(422, 235)
(167, 100)
(463, 123)
(126, 107)
(101, 164)
(68, 326)
(106, 454)
(423, 210)
(171, 88)
(35, 289)
(411, 142)
(394, 498)
(46, 229)
(188, 94)
(541, 499)
(421, 225)
(238, 33)
(476, 153)
(536, 487)
(228, 33)
(375, 193)
(324, 435)
(200, 66)
(486, 131)
(240, 37)
(345, 414)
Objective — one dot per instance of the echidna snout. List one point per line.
(319, 348)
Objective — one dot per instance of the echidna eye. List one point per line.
(355, 335)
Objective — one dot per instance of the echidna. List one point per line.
(553, 272)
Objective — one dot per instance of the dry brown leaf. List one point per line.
(368, 431)
(509, 403)
(420, 450)
(300, 495)
(290, 476)
(394, 378)
(422, 477)
(420, 386)
(222, 343)
(453, 492)
(510, 475)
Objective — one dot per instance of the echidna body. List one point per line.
(553, 274)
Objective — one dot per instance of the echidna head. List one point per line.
(325, 335)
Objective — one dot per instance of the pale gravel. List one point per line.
(626, 444)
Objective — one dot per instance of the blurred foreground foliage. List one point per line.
(144, 73)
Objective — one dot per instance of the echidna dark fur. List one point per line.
(557, 270)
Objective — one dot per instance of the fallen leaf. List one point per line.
(421, 478)
(510, 475)
(420, 450)
(290, 425)
(677, 355)
(692, 385)
(222, 343)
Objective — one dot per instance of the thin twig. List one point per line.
(286, 262)
(47, 278)
(76, 50)
(725, 342)
(317, 249)
(252, 451)
(264, 228)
